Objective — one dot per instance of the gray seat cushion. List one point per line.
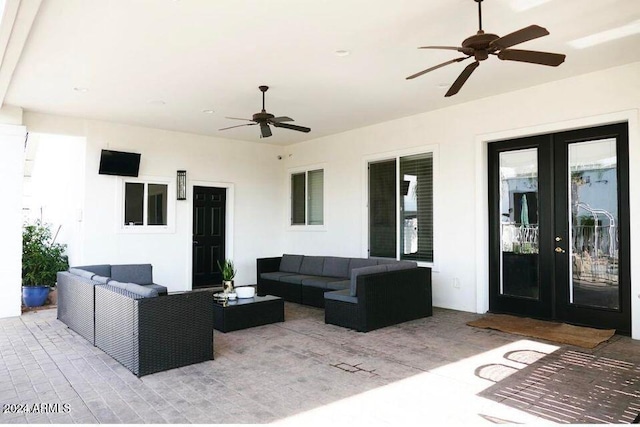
(342, 295)
(339, 285)
(402, 265)
(296, 278)
(134, 288)
(290, 263)
(336, 267)
(101, 279)
(100, 269)
(312, 265)
(320, 281)
(162, 290)
(364, 270)
(275, 275)
(132, 273)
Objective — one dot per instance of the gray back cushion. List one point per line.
(82, 273)
(361, 262)
(361, 271)
(291, 263)
(386, 261)
(134, 288)
(100, 270)
(336, 267)
(133, 273)
(312, 265)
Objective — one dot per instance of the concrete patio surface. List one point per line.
(429, 371)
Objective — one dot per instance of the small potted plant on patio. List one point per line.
(228, 272)
(42, 258)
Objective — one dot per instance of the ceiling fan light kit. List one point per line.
(264, 119)
(481, 45)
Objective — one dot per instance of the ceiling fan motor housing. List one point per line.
(262, 117)
(481, 45)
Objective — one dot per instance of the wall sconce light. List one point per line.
(182, 185)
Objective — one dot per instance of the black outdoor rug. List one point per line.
(573, 387)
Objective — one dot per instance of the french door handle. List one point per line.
(558, 239)
(560, 250)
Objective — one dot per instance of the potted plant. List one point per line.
(42, 258)
(228, 272)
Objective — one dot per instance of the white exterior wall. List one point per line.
(11, 171)
(56, 187)
(461, 133)
(251, 170)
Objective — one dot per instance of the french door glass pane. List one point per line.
(593, 216)
(315, 210)
(519, 223)
(382, 209)
(416, 209)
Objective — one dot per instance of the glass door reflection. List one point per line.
(519, 223)
(593, 224)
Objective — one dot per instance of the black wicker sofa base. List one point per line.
(357, 293)
(148, 335)
(146, 331)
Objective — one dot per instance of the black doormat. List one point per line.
(573, 387)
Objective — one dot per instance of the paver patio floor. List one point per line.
(435, 370)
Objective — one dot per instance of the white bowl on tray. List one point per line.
(245, 291)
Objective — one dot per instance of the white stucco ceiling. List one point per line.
(196, 55)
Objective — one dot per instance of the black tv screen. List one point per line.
(119, 163)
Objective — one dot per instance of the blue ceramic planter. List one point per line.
(34, 296)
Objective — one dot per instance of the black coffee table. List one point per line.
(247, 312)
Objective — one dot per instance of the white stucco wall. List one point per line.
(251, 170)
(11, 172)
(460, 192)
(55, 190)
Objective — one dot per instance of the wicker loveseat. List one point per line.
(358, 293)
(145, 330)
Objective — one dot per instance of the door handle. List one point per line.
(558, 239)
(560, 250)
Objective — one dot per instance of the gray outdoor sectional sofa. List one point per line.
(120, 310)
(357, 293)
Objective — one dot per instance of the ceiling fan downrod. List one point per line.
(263, 89)
(480, 16)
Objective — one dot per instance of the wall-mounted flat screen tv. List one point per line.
(119, 163)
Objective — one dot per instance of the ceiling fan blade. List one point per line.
(237, 118)
(524, 35)
(265, 130)
(465, 50)
(281, 119)
(532, 56)
(462, 78)
(292, 127)
(436, 67)
(237, 126)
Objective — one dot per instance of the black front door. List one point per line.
(209, 213)
(559, 227)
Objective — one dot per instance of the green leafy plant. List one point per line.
(42, 257)
(227, 269)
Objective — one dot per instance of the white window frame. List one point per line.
(433, 149)
(121, 227)
(306, 170)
